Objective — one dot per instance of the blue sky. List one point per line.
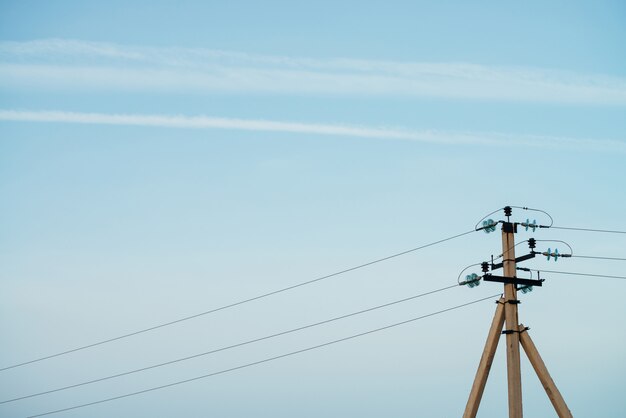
(159, 159)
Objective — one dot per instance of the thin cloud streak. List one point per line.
(259, 125)
(69, 64)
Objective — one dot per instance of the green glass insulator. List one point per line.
(526, 289)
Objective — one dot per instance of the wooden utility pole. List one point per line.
(507, 315)
(510, 316)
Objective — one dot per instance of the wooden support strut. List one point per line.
(542, 372)
(476, 394)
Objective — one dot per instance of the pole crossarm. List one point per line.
(512, 280)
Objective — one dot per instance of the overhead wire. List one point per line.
(509, 249)
(571, 250)
(231, 305)
(537, 210)
(458, 279)
(206, 353)
(609, 231)
(599, 257)
(487, 215)
(292, 353)
(580, 274)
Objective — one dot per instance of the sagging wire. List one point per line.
(458, 279)
(556, 253)
(572, 273)
(537, 210)
(493, 223)
(485, 217)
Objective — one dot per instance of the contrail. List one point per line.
(95, 66)
(337, 130)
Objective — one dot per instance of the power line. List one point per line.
(609, 231)
(582, 274)
(516, 207)
(241, 302)
(230, 346)
(571, 250)
(537, 210)
(261, 361)
(599, 257)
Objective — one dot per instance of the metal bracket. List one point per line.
(512, 280)
(509, 227)
(517, 260)
(511, 331)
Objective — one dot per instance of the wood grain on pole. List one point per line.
(486, 360)
(512, 339)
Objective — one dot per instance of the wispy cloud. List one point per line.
(258, 125)
(67, 64)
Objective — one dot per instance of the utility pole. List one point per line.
(514, 372)
(516, 334)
